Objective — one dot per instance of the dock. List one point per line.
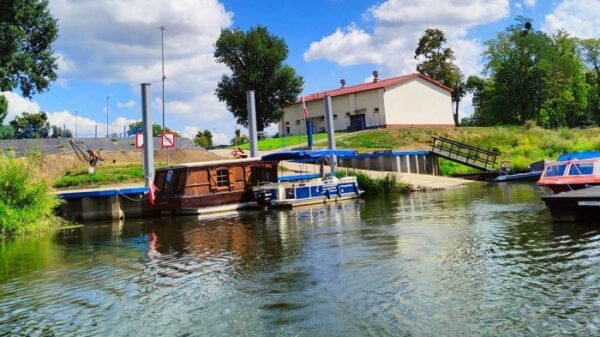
(107, 203)
(579, 205)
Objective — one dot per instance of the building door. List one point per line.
(357, 122)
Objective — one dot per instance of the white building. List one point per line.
(407, 101)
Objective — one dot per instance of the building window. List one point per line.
(347, 114)
(297, 122)
(334, 116)
(376, 110)
(287, 123)
(287, 130)
(322, 118)
(222, 178)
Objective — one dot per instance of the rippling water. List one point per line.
(473, 261)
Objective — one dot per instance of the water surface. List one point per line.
(471, 261)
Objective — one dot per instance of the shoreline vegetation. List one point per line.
(26, 200)
(389, 184)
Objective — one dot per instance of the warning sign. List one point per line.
(139, 140)
(167, 140)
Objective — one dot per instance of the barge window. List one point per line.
(223, 178)
(581, 169)
(555, 170)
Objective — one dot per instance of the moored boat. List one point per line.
(212, 186)
(293, 193)
(571, 172)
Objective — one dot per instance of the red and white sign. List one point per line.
(167, 140)
(139, 140)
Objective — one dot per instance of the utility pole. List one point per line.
(76, 114)
(107, 97)
(162, 49)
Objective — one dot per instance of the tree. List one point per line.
(590, 51)
(437, 63)
(57, 132)
(157, 130)
(27, 31)
(256, 61)
(239, 138)
(204, 139)
(3, 108)
(31, 125)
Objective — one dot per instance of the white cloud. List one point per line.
(130, 105)
(397, 27)
(530, 3)
(121, 42)
(218, 137)
(579, 17)
(18, 104)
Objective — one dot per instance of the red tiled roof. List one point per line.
(370, 86)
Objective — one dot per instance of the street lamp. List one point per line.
(76, 113)
(162, 48)
(107, 97)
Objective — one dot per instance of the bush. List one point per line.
(373, 186)
(26, 202)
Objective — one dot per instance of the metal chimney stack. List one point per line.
(343, 82)
(375, 76)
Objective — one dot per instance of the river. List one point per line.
(485, 261)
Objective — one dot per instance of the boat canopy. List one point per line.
(579, 155)
(304, 155)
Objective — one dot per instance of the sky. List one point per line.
(107, 48)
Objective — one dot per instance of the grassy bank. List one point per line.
(277, 143)
(377, 186)
(520, 145)
(26, 202)
(105, 175)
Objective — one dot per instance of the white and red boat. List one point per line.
(571, 172)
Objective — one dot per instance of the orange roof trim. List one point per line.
(385, 83)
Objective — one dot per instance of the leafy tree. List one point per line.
(58, 132)
(239, 138)
(157, 129)
(3, 108)
(27, 31)
(256, 61)
(437, 62)
(204, 139)
(31, 125)
(590, 52)
(7, 132)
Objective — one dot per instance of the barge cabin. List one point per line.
(212, 186)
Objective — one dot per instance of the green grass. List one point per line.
(105, 174)
(520, 145)
(277, 143)
(377, 186)
(26, 202)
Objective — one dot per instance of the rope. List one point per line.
(128, 198)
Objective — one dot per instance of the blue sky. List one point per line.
(108, 48)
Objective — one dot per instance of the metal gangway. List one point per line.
(465, 154)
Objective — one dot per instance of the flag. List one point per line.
(304, 108)
(153, 189)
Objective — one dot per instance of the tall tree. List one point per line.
(437, 62)
(590, 51)
(157, 129)
(204, 139)
(27, 31)
(3, 108)
(256, 61)
(31, 125)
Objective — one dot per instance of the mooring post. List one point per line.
(330, 133)
(252, 123)
(148, 140)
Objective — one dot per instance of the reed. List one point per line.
(388, 184)
(26, 201)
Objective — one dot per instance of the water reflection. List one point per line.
(473, 261)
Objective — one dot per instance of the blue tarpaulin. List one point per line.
(579, 155)
(303, 155)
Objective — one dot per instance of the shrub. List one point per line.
(373, 186)
(26, 202)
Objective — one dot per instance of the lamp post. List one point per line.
(107, 97)
(162, 49)
(76, 113)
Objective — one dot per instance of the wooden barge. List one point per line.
(212, 186)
